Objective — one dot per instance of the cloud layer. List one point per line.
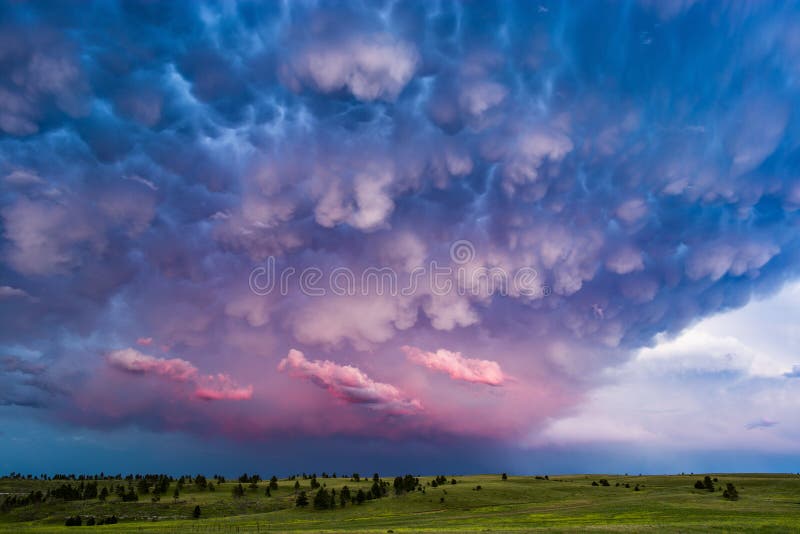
(640, 159)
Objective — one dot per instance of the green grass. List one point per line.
(767, 503)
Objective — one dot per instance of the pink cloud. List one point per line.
(348, 383)
(133, 361)
(457, 366)
(144, 341)
(222, 387)
(207, 387)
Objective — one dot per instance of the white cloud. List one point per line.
(724, 383)
(370, 67)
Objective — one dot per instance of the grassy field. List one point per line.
(767, 503)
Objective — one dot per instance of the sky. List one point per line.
(399, 236)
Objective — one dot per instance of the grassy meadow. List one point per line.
(767, 503)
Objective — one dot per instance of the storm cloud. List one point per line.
(641, 159)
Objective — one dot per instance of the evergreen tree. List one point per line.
(196, 512)
(143, 487)
(302, 499)
(322, 500)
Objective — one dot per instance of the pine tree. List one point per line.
(322, 499)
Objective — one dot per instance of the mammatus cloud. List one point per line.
(349, 384)
(457, 366)
(370, 67)
(210, 387)
(646, 180)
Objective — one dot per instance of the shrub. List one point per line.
(730, 492)
(196, 512)
(108, 521)
(699, 485)
(504, 476)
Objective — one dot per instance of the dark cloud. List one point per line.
(761, 423)
(641, 159)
